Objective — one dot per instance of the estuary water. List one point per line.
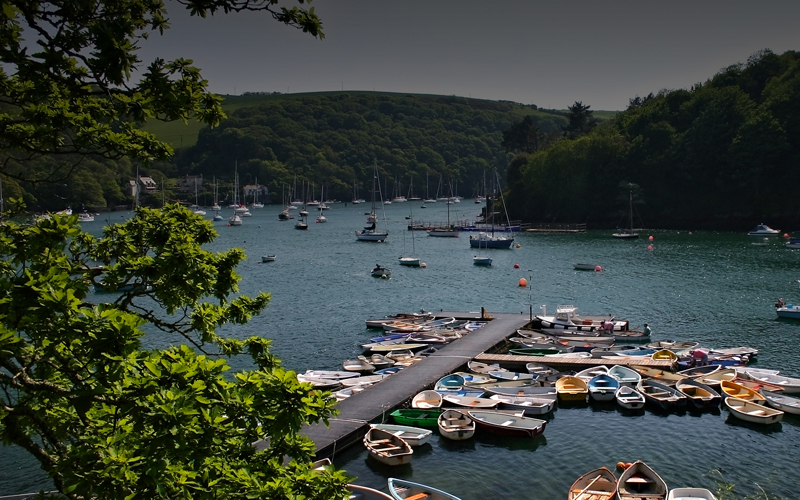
(712, 287)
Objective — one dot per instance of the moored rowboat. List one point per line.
(508, 425)
(752, 412)
(598, 484)
(386, 447)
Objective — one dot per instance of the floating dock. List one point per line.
(376, 402)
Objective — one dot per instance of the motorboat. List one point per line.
(381, 272)
(268, 258)
(567, 318)
(785, 310)
(763, 230)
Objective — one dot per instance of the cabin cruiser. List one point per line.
(763, 230)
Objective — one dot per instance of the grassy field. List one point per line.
(183, 135)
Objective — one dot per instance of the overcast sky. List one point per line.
(549, 53)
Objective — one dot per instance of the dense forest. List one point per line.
(723, 154)
(332, 139)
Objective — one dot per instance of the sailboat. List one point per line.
(448, 231)
(627, 233)
(489, 240)
(217, 215)
(410, 260)
(256, 203)
(356, 199)
(196, 208)
(370, 232)
(427, 199)
(215, 207)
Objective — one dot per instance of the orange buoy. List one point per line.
(519, 246)
(628, 465)
(523, 282)
(620, 465)
(598, 268)
(423, 265)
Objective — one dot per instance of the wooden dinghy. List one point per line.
(540, 369)
(510, 376)
(456, 425)
(359, 365)
(358, 492)
(603, 387)
(690, 494)
(427, 399)
(625, 375)
(379, 361)
(591, 372)
(475, 378)
(400, 489)
(639, 481)
(661, 395)
(387, 448)
(529, 405)
(470, 402)
(507, 425)
(713, 379)
(752, 412)
(417, 417)
(790, 385)
(449, 383)
(663, 376)
(783, 402)
(478, 367)
(363, 381)
(629, 398)
(757, 385)
(598, 484)
(735, 390)
(414, 436)
(665, 354)
(699, 371)
(700, 395)
(570, 388)
(527, 390)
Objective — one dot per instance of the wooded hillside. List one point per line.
(723, 154)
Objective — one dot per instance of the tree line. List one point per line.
(720, 155)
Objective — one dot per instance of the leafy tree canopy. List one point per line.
(106, 417)
(66, 85)
(719, 155)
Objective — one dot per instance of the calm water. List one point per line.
(715, 288)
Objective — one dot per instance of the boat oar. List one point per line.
(579, 495)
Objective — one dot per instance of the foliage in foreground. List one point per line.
(106, 417)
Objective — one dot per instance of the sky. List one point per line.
(543, 52)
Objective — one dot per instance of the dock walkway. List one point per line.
(377, 401)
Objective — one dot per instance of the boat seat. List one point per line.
(507, 423)
(756, 412)
(418, 496)
(382, 441)
(639, 480)
(389, 448)
(658, 393)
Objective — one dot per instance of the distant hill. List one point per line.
(332, 138)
